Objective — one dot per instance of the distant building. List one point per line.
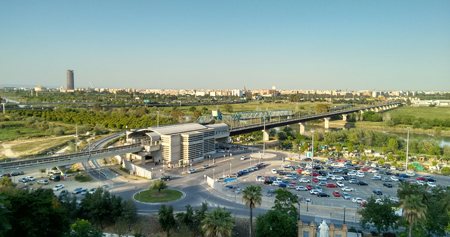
(70, 80)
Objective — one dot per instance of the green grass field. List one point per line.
(13, 130)
(422, 112)
(153, 196)
(258, 106)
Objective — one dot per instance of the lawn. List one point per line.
(33, 146)
(422, 112)
(12, 130)
(153, 196)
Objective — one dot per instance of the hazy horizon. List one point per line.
(326, 45)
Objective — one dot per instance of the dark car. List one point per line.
(353, 181)
(165, 178)
(404, 176)
(430, 180)
(320, 194)
(268, 181)
(388, 173)
(282, 185)
(55, 178)
(240, 173)
(346, 178)
(362, 183)
(377, 192)
(401, 180)
(387, 185)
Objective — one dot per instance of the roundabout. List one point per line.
(262, 156)
(152, 196)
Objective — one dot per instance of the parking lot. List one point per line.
(360, 191)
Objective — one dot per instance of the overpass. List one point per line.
(66, 161)
(303, 119)
(149, 144)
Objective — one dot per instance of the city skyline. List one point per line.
(305, 45)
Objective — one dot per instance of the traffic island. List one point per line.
(262, 156)
(153, 196)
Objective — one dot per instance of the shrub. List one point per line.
(445, 171)
(83, 178)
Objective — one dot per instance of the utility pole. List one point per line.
(76, 138)
(157, 124)
(264, 140)
(312, 157)
(407, 148)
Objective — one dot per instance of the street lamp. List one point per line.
(213, 173)
(312, 157)
(299, 209)
(407, 148)
(230, 168)
(344, 214)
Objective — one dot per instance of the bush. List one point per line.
(83, 178)
(445, 171)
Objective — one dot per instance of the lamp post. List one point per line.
(407, 148)
(264, 140)
(299, 209)
(157, 123)
(230, 168)
(312, 157)
(344, 214)
(213, 174)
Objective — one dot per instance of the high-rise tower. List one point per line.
(70, 81)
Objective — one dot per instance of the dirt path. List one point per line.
(6, 147)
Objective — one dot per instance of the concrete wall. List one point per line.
(137, 170)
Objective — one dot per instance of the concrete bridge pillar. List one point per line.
(265, 135)
(344, 117)
(327, 122)
(302, 128)
(376, 110)
(371, 109)
(362, 111)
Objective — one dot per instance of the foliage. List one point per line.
(228, 108)
(413, 210)
(285, 202)
(36, 214)
(158, 184)
(218, 223)
(186, 218)
(199, 216)
(101, 207)
(445, 171)
(129, 214)
(381, 215)
(322, 108)
(4, 213)
(83, 178)
(252, 197)
(166, 219)
(6, 181)
(82, 228)
(275, 224)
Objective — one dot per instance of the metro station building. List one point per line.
(177, 144)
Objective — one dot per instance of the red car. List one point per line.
(7, 175)
(330, 185)
(336, 194)
(421, 178)
(309, 187)
(314, 174)
(366, 169)
(299, 171)
(294, 183)
(316, 180)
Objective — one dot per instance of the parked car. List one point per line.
(387, 185)
(340, 184)
(336, 194)
(274, 171)
(346, 196)
(268, 181)
(205, 166)
(43, 181)
(357, 199)
(314, 191)
(63, 192)
(431, 184)
(330, 185)
(377, 192)
(165, 178)
(55, 178)
(77, 191)
(58, 187)
(31, 178)
(362, 183)
(309, 187)
(23, 180)
(92, 190)
(347, 189)
(393, 178)
(304, 180)
(353, 181)
(83, 191)
(282, 185)
(321, 194)
(301, 188)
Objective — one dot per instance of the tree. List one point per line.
(197, 114)
(393, 144)
(204, 110)
(322, 108)
(192, 108)
(275, 224)
(129, 214)
(218, 223)
(186, 218)
(381, 215)
(198, 217)
(4, 213)
(82, 228)
(445, 171)
(166, 219)
(5, 181)
(285, 202)
(121, 227)
(252, 198)
(158, 184)
(413, 210)
(228, 108)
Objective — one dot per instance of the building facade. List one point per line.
(70, 80)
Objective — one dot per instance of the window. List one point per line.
(305, 233)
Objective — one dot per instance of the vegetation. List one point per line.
(158, 184)
(379, 214)
(153, 196)
(83, 178)
(276, 224)
(285, 202)
(82, 228)
(166, 219)
(252, 198)
(218, 223)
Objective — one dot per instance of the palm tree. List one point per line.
(252, 197)
(218, 223)
(413, 210)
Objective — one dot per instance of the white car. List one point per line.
(191, 171)
(58, 187)
(314, 191)
(304, 180)
(274, 171)
(340, 184)
(31, 178)
(338, 178)
(420, 182)
(92, 190)
(357, 200)
(301, 188)
(376, 177)
(393, 178)
(306, 172)
(351, 173)
(347, 189)
(360, 175)
(431, 184)
(393, 168)
(42, 181)
(410, 174)
(289, 176)
(276, 183)
(242, 157)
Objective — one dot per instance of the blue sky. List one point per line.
(354, 45)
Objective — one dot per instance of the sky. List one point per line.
(323, 45)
